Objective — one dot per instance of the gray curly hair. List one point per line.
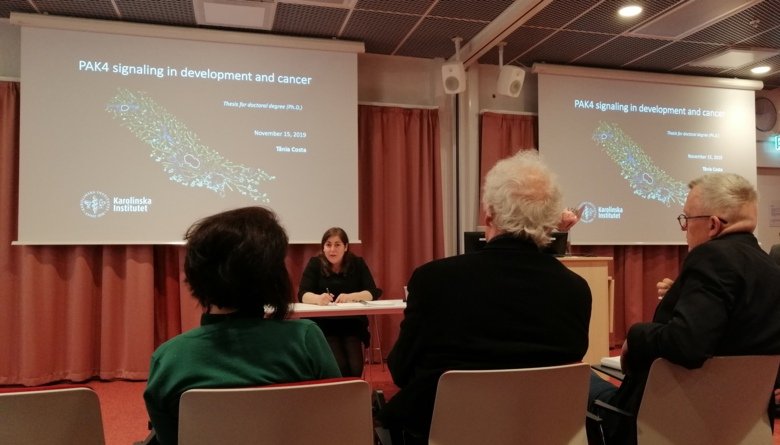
(522, 196)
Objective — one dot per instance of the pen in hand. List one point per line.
(330, 295)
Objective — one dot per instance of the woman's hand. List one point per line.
(322, 299)
(353, 297)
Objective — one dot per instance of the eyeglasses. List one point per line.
(683, 219)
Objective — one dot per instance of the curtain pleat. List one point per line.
(401, 216)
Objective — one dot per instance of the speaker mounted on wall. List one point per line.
(453, 74)
(510, 78)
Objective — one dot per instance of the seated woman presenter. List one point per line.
(338, 276)
(234, 265)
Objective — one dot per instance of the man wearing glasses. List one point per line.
(725, 301)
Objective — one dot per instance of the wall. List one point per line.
(768, 207)
(768, 160)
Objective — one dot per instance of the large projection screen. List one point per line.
(129, 139)
(625, 145)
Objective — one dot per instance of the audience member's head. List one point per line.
(717, 204)
(521, 197)
(235, 260)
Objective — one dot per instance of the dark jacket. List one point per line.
(505, 306)
(726, 301)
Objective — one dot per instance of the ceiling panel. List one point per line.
(433, 38)
(577, 32)
(673, 55)
(604, 18)
(168, 12)
(762, 17)
(470, 10)
(564, 46)
(362, 26)
(560, 12)
(416, 7)
(620, 51)
(310, 21)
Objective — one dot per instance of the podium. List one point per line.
(595, 270)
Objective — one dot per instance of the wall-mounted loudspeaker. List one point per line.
(510, 80)
(453, 75)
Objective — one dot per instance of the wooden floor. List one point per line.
(125, 419)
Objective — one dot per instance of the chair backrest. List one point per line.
(722, 403)
(324, 413)
(510, 406)
(50, 416)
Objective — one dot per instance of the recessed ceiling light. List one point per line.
(630, 11)
(760, 69)
(235, 13)
(732, 58)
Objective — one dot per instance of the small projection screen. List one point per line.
(625, 145)
(129, 139)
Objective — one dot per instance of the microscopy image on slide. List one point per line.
(645, 178)
(183, 157)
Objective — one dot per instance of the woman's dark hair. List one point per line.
(325, 265)
(235, 259)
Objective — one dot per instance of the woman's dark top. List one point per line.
(357, 277)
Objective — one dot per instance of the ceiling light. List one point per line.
(760, 69)
(235, 13)
(733, 58)
(630, 11)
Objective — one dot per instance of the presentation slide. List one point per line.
(625, 150)
(129, 140)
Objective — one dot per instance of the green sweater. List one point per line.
(232, 351)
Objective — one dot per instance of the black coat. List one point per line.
(726, 301)
(505, 306)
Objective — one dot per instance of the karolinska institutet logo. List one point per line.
(589, 212)
(96, 204)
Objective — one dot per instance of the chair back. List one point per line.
(722, 403)
(324, 413)
(50, 416)
(509, 406)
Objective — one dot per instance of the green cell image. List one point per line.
(183, 157)
(645, 178)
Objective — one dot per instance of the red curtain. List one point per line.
(76, 312)
(503, 135)
(635, 269)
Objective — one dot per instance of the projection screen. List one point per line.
(128, 137)
(626, 144)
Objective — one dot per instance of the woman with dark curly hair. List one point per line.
(235, 267)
